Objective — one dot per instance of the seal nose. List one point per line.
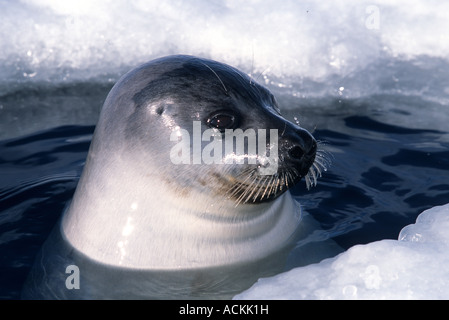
(298, 152)
(300, 149)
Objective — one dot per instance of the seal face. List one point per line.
(223, 98)
(150, 195)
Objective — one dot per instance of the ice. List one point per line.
(412, 267)
(290, 41)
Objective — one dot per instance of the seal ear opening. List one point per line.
(160, 110)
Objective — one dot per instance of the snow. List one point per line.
(412, 267)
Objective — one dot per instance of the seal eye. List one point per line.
(222, 121)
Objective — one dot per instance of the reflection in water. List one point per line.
(48, 277)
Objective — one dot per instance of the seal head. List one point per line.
(150, 195)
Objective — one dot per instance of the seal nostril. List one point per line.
(296, 152)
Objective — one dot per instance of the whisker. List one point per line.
(241, 196)
(260, 188)
(252, 190)
(313, 173)
(283, 131)
(321, 163)
(216, 76)
(291, 175)
(252, 68)
(272, 185)
(262, 73)
(318, 168)
(277, 184)
(268, 184)
(283, 180)
(242, 187)
(239, 186)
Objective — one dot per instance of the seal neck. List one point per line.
(125, 218)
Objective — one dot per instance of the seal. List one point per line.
(139, 206)
(133, 207)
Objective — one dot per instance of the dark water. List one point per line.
(384, 174)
